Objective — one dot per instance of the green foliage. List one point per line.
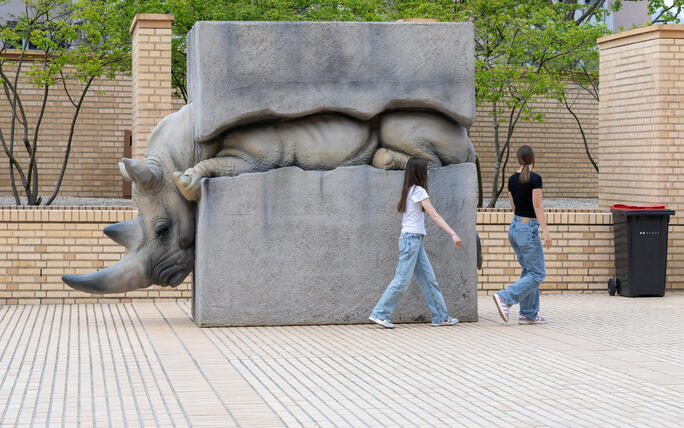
(80, 38)
(513, 42)
(519, 47)
(667, 12)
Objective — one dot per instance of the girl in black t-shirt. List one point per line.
(525, 194)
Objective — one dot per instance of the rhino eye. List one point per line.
(162, 231)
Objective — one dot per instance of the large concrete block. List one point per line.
(290, 246)
(241, 72)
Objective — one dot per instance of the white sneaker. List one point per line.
(448, 321)
(384, 323)
(538, 320)
(503, 308)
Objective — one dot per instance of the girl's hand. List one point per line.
(456, 239)
(547, 239)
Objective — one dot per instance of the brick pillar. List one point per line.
(151, 40)
(641, 117)
(641, 126)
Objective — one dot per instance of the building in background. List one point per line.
(631, 14)
(12, 7)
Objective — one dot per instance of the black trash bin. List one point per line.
(640, 250)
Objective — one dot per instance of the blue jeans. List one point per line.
(524, 238)
(412, 261)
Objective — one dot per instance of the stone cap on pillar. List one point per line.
(661, 31)
(152, 20)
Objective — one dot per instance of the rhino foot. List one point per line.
(385, 158)
(189, 186)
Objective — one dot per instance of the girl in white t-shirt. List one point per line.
(412, 257)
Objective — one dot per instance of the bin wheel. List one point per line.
(612, 287)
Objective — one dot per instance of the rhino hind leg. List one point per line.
(426, 135)
(189, 182)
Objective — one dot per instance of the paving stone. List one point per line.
(146, 364)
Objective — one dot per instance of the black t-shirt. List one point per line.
(522, 193)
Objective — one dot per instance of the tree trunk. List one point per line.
(497, 165)
(584, 137)
(33, 163)
(479, 182)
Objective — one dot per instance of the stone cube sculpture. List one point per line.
(270, 95)
(319, 247)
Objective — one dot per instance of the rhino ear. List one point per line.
(140, 173)
(124, 173)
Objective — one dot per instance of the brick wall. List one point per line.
(98, 138)
(582, 256)
(37, 246)
(559, 149)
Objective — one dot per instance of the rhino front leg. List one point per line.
(385, 158)
(189, 182)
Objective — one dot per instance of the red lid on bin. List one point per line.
(623, 207)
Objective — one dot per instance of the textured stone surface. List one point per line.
(240, 72)
(290, 246)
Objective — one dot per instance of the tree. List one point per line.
(531, 49)
(665, 12)
(515, 45)
(51, 43)
(581, 69)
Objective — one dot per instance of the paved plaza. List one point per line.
(601, 361)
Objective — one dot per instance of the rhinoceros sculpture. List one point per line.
(160, 240)
(267, 95)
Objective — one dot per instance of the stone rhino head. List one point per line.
(160, 240)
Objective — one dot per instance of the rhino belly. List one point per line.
(322, 141)
(328, 140)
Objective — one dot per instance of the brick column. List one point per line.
(151, 40)
(641, 126)
(641, 117)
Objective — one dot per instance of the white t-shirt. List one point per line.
(414, 218)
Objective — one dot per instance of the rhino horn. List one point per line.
(126, 233)
(125, 275)
(143, 175)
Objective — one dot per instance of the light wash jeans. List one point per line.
(524, 238)
(412, 261)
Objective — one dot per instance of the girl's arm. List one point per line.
(510, 198)
(439, 221)
(539, 212)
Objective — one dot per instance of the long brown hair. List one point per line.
(415, 175)
(525, 158)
